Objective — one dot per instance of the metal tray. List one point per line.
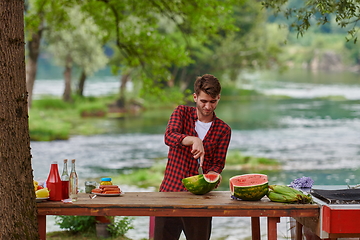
(339, 196)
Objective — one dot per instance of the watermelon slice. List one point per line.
(201, 184)
(251, 187)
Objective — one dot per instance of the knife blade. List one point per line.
(200, 170)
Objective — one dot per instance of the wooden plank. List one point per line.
(195, 212)
(298, 232)
(255, 228)
(272, 227)
(42, 226)
(163, 204)
(312, 223)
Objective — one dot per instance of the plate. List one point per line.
(108, 195)
(41, 199)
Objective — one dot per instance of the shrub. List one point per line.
(77, 224)
(120, 227)
(86, 225)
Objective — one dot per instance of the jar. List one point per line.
(89, 186)
(106, 181)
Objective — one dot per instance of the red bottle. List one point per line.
(53, 183)
(65, 181)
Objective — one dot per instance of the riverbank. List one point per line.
(51, 118)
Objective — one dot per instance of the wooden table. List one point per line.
(184, 204)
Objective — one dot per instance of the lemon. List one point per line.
(42, 193)
(35, 185)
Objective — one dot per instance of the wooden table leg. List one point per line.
(255, 228)
(42, 226)
(299, 227)
(272, 227)
(104, 219)
(102, 223)
(151, 227)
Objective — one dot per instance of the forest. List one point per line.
(162, 46)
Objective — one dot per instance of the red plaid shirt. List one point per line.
(181, 163)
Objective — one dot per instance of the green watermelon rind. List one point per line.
(198, 185)
(249, 193)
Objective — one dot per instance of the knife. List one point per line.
(200, 170)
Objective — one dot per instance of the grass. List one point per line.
(332, 98)
(235, 160)
(152, 177)
(143, 178)
(53, 119)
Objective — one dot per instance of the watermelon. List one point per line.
(201, 184)
(250, 187)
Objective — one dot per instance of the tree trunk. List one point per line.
(171, 82)
(67, 77)
(31, 67)
(123, 81)
(17, 202)
(80, 90)
(184, 79)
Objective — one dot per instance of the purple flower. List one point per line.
(303, 182)
(235, 198)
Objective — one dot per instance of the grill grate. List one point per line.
(341, 196)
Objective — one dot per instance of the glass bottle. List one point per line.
(53, 183)
(73, 182)
(65, 181)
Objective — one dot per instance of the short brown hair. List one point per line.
(209, 84)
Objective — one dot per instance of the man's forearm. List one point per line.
(189, 140)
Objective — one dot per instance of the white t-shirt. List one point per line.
(202, 128)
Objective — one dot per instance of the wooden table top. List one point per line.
(215, 203)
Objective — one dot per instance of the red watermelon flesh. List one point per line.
(211, 177)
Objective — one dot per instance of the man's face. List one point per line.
(205, 104)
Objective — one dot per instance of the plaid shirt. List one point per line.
(181, 163)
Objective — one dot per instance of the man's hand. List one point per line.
(197, 147)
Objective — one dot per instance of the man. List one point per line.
(193, 133)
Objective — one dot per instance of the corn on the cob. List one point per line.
(283, 189)
(278, 197)
(283, 193)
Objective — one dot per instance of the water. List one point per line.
(309, 134)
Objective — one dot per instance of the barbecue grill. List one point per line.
(339, 211)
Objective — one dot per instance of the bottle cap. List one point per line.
(106, 179)
(54, 162)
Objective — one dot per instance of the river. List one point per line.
(313, 132)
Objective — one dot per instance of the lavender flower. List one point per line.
(303, 182)
(234, 198)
